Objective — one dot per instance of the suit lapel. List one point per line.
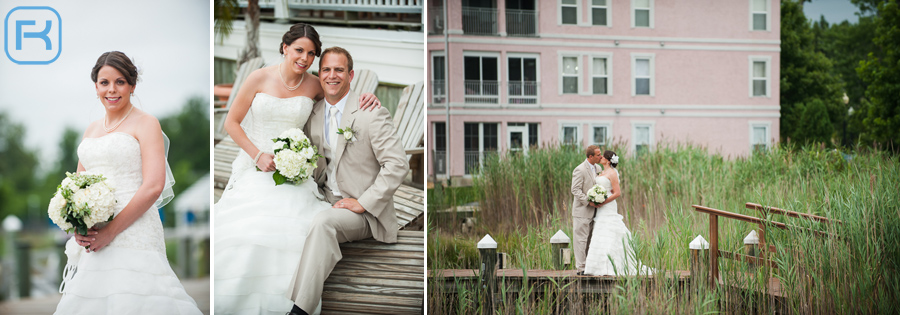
(347, 120)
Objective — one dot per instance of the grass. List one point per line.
(525, 200)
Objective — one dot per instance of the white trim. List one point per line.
(634, 125)
(578, 73)
(525, 134)
(768, 78)
(559, 16)
(537, 61)
(608, 8)
(544, 36)
(579, 139)
(651, 14)
(609, 71)
(767, 12)
(437, 53)
(630, 106)
(603, 113)
(634, 58)
(483, 54)
(608, 124)
(609, 44)
(768, 138)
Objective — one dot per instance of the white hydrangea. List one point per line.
(307, 153)
(288, 163)
(294, 134)
(278, 145)
(69, 184)
(56, 210)
(597, 194)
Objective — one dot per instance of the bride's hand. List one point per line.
(85, 240)
(100, 238)
(266, 162)
(369, 101)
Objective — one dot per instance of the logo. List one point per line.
(33, 35)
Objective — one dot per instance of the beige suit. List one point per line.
(582, 212)
(369, 168)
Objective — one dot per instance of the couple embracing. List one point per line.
(601, 239)
(276, 244)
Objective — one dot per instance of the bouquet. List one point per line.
(597, 194)
(81, 201)
(295, 157)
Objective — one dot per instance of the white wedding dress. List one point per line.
(131, 275)
(260, 228)
(609, 252)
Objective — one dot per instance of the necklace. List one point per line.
(108, 130)
(281, 75)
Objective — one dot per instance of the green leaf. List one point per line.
(81, 229)
(279, 179)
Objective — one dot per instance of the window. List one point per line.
(523, 85)
(600, 12)
(759, 137)
(759, 76)
(481, 78)
(600, 134)
(759, 15)
(642, 74)
(570, 73)
(568, 12)
(438, 83)
(642, 13)
(570, 134)
(479, 140)
(440, 148)
(522, 136)
(600, 82)
(642, 138)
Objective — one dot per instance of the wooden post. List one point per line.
(713, 248)
(699, 261)
(487, 248)
(23, 268)
(558, 242)
(751, 246)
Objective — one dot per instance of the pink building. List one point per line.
(507, 74)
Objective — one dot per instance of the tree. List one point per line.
(815, 127)
(188, 132)
(881, 70)
(805, 74)
(225, 11)
(17, 167)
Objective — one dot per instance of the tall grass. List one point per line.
(526, 199)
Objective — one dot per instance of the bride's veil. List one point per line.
(167, 193)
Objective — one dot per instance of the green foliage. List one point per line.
(188, 133)
(881, 71)
(815, 126)
(805, 74)
(16, 166)
(224, 11)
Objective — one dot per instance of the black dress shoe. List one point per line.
(580, 273)
(296, 311)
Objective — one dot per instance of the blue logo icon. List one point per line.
(33, 35)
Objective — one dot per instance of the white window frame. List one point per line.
(481, 149)
(482, 54)
(634, 77)
(766, 12)
(537, 61)
(525, 134)
(438, 53)
(650, 15)
(608, 8)
(768, 77)
(579, 73)
(765, 124)
(559, 16)
(579, 137)
(604, 124)
(652, 141)
(609, 72)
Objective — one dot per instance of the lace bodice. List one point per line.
(117, 156)
(270, 116)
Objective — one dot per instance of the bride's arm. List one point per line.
(239, 108)
(153, 170)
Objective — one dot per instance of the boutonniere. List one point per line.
(348, 133)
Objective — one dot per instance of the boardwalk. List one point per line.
(196, 288)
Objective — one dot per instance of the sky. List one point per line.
(169, 40)
(835, 11)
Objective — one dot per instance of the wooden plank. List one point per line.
(378, 288)
(415, 278)
(372, 299)
(352, 307)
(363, 266)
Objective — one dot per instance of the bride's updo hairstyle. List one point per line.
(301, 30)
(120, 62)
(609, 155)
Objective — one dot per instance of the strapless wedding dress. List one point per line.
(260, 228)
(609, 252)
(131, 275)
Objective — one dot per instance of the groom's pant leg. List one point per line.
(581, 237)
(321, 252)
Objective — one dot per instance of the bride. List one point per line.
(124, 269)
(261, 228)
(610, 251)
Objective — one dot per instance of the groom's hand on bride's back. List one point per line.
(350, 204)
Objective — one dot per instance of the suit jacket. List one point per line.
(369, 168)
(582, 182)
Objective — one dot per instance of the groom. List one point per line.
(358, 176)
(582, 209)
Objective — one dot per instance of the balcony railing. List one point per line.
(438, 91)
(479, 21)
(440, 162)
(482, 92)
(393, 6)
(523, 92)
(400, 13)
(521, 23)
(435, 20)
